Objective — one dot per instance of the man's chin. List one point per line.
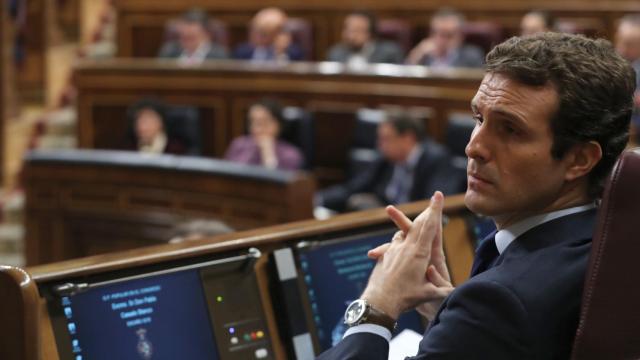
(477, 203)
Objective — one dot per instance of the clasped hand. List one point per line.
(411, 270)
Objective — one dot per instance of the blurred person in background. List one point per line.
(445, 48)
(194, 43)
(359, 45)
(149, 131)
(268, 39)
(627, 43)
(536, 21)
(411, 167)
(262, 146)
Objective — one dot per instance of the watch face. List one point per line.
(355, 312)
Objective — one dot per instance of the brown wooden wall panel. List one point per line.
(224, 90)
(26, 306)
(78, 208)
(141, 22)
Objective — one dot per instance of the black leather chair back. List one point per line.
(298, 130)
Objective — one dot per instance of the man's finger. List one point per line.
(378, 252)
(401, 220)
(436, 278)
(398, 236)
(431, 222)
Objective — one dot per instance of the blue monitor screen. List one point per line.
(158, 317)
(336, 273)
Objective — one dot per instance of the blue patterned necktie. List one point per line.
(486, 255)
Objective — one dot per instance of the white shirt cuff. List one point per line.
(369, 328)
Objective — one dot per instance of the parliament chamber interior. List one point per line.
(203, 179)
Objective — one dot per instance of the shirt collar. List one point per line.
(507, 235)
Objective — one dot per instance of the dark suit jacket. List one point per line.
(525, 307)
(383, 52)
(467, 56)
(432, 172)
(173, 50)
(245, 52)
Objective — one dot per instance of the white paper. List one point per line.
(404, 344)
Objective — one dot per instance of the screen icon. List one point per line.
(67, 312)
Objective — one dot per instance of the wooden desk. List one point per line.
(141, 22)
(224, 90)
(81, 203)
(27, 334)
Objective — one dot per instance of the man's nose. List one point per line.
(478, 148)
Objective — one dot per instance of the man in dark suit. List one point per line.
(445, 46)
(194, 43)
(552, 117)
(359, 45)
(410, 168)
(269, 39)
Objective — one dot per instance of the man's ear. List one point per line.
(581, 159)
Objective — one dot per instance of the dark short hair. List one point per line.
(147, 103)
(548, 19)
(371, 18)
(404, 124)
(196, 16)
(595, 90)
(274, 108)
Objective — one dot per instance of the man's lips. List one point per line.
(476, 177)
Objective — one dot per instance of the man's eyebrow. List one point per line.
(511, 115)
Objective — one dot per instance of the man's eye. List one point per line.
(477, 118)
(509, 129)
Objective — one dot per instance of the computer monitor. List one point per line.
(333, 272)
(209, 310)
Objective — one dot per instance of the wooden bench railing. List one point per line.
(81, 203)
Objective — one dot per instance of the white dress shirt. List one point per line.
(503, 239)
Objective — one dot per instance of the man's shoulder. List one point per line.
(338, 52)
(469, 49)
(545, 267)
(170, 49)
(217, 51)
(433, 150)
(243, 51)
(387, 46)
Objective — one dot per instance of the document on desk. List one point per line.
(404, 344)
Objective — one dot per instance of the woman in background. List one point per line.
(262, 146)
(149, 129)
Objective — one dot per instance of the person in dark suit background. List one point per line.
(359, 44)
(552, 118)
(194, 43)
(410, 168)
(269, 39)
(445, 46)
